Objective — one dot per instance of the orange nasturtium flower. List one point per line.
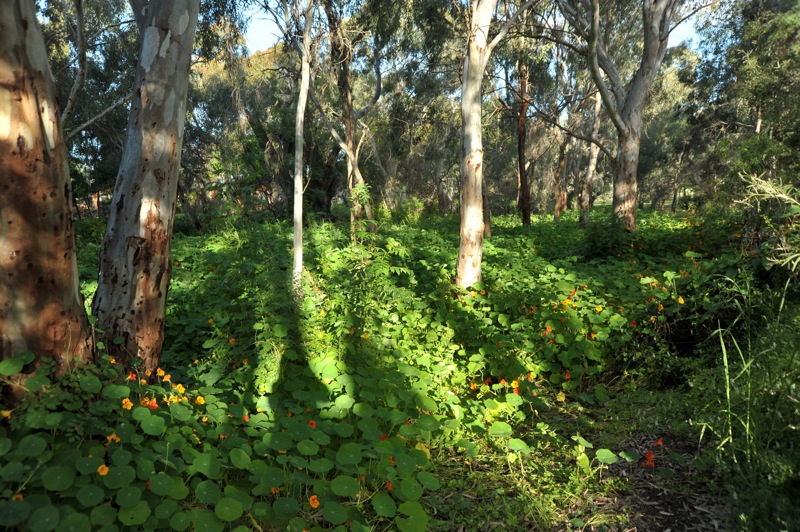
(313, 501)
(113, 438)
(102, 470)
(126, 404)
(112, 360)
(167, 378)
(680, 300)
(659, 441)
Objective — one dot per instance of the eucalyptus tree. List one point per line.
(296, 20)
(624, 100)
(41, 308)
(135, 262)
(480, 17)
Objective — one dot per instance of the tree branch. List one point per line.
(97, 117)
(72, 99)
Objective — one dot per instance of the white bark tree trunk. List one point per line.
(41, 307)
(135, 266)
(479, 48)
(302, 99)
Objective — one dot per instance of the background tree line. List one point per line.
(531, 106)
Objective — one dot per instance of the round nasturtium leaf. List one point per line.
(129, 496)
(428, 422)
(208, 492)
(208, 465)
(604, 456)
(90, 495)
(32, 445)
(44, 519)
(428, 480)
(161, 484)
(165, 509)
(5, 446)
(500, 428)
(307, 447)
(345, 486)
(13, 513)
(320, 465)
(58, 478)
(180, 411)
(417, 518)
(75, 523)
(179, 521)
(119, 477)
(334, 513)
(228, 509)
(116, 391)
(135, 515)
(206, 520)
(11, 366)
(349, 454)
(240, 459)
(519, 446)
(105, 514)
(384, 505)
(154, 426)
(286, 507)
(411, 489)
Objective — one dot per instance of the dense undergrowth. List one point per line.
(388, 399)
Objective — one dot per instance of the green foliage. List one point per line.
(349, 406)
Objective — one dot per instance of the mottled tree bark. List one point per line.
(135, 266)
(41, 307)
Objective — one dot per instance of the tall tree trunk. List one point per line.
(135, 266)
(523, 187)
(305, 77)
(625, 184)
(676, 183)
(41, 307)
(479, 48)
(560, 186)
(470, 251)
(587, 190)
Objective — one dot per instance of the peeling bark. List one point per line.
(135, 266)
(41, 307)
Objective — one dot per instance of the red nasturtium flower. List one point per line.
(384, 436)
(389, 486)
(567, 376)
(312, 423)
(313, 501)
(649, 459)
(659, 441)
(633, 324)
(132, 376)
(153, 405)
(246, 418)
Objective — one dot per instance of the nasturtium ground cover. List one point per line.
(367, 402)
